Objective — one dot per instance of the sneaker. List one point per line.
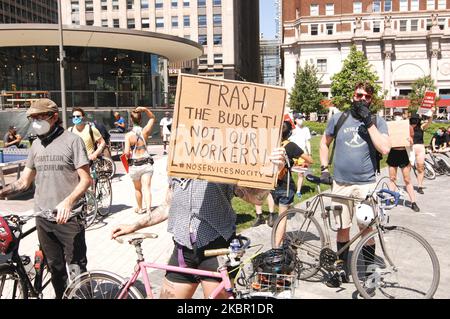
(415, 208)
(259, 221)
(299, 195)
(164, 153)
(272, 218)
(420, 190)
(333, 281)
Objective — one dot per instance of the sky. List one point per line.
(267, 18)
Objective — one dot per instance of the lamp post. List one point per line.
(61, 67)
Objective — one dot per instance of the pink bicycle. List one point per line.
(106, 285)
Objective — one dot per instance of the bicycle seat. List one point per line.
(135, 236)
(313, 179)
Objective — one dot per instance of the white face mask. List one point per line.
(300, 122)
(398, 117)
(41, 127)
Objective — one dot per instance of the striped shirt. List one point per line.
(201, 210)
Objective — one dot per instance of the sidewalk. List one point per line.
(432, 222)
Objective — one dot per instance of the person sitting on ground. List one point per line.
(398, 157)
(12, 139)
(140, 161)
(119, 124)
(201, 217)
(439, 140)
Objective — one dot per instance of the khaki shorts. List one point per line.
(348, 209)
(136, 172)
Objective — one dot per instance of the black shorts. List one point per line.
(283, 197)
(195, 258)
(398, 158)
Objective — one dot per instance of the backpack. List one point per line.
(103, 131)
(344, 116)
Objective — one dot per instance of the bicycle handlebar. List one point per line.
(244, 244)
(395, 196)
(217, 252)
(49, 214)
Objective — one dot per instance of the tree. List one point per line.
(305, 96)
(419, 87)
(356, 69)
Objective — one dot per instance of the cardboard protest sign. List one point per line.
(429, 101)
(224, 131)
(399, 133)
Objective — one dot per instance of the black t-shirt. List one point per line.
(293, 151)
(439, 140)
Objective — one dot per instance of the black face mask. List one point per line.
(48, 138)
(356, 105)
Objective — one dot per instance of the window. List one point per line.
(115, 4)
(442, 4)
(441, 23)
(322, 65)
(414, 25)
(314, 10)
(202, 20)
(429, 24)
(314, 29)
(431, 4)
(376, 6)
(414, 5)
(330, 28)
(217, 39)
(159, 4)
(130, 24)
(75, 6)
(187, 21)
(186, 4)
(174, 4)
(403, 5)
(104, 4)
(89, 5)
(174, 22)
(201, 3)
(217, 2)
(357, 7)
(104, 22)
(89, 22)
(203, 59)
(130, 4)
(403, 24)
(144, 4)
(145, 23)
(387, 5)
(203, 39)
(159, 22)
(329, 9)
(218, 58)
(116, 23)
(217, 20)
(376, 26)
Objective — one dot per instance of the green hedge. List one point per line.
(317, 127)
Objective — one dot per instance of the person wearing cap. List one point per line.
(11, 138)
(301, 136)
(419, 127)
(165, 129)
(398, 157)
(59, 166)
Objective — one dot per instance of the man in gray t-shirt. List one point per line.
(59, 166)
(357, 143)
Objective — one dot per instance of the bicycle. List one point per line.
(102, 190)
(429, 172)
(376, 275)
(106, 285)
(440, 164)
(16, 280)
(106, 166)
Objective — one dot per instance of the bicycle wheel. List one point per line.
(303, 234)
(11, 286)
(103, 195)
(444, 163)
(429, 171)
(99, 285)
(90, 209)
(403, 265)
(436, 167)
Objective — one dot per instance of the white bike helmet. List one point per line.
(364, 214)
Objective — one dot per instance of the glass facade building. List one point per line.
(95, 77)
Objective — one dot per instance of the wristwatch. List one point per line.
(323, 168)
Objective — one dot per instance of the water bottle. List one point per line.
(235, 245)
(2, 159)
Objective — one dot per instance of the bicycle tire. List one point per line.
(11, 285)
(90, 210)
(103, 195)
(437, 168)
(99, 285)
(408, 276)
(445, 164)
(108, 167)
(429, 172)
(297, 230)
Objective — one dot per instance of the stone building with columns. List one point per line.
(402, 39)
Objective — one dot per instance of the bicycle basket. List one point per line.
(8, 236)
(278, 286)
(275, 261)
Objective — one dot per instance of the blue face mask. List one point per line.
(77, 120)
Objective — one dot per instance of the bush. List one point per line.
(317, 127)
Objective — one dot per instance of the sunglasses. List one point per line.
(361, 95)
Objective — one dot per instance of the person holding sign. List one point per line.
(357, 137)
(139, 160)
(419, 147)
(398, 157)
(201, 217)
